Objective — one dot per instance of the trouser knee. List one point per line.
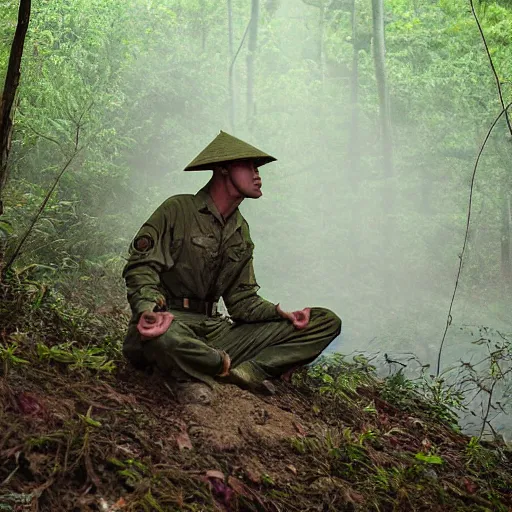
(163, 350)
(132, 349)
(157, 352)
(329, 320)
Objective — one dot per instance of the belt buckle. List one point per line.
(186, 303)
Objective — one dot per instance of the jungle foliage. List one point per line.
(148, 80)
(118, 96)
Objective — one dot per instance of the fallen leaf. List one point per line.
(118, 505)
(300, 429)
(471, 487)
(253, 476)
(292, 468)
(214, 473)
(30, 404)
(353, 496)
(183, 441)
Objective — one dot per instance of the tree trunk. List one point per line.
(231, 84)
(204, 25)
(353, 149)
(388, 195)
(506, 246)
(321, 53)
(253, 39)
(379, 52)
(12, 80)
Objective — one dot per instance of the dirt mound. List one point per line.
(235, 416)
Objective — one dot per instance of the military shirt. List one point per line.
(187, 249)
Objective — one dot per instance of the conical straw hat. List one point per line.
(226, 148)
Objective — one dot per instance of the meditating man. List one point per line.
(195, 249)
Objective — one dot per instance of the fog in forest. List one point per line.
(325, 237)
(336, 227)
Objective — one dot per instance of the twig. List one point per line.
(43, 204)
(498, 85)
(11, 474)
(240, 47)
(232, 65)
(489, 403)
(42, 135)
(461, 256)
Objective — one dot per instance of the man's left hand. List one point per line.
(299, 319)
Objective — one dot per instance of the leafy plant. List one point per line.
(92, 358)
(478, 457)
(333, 376)
(441, 399)
(9, 358)
(429, 458)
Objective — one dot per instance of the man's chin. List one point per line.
(254, 195)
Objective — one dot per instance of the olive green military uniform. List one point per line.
(188, 256)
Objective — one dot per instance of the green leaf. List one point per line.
(429, 459)
(90, 421)
(327, 378)
(5, 228)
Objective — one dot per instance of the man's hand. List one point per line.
(153, 324)
(299, 319)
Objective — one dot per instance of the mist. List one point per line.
(333, 228)
(325, 237)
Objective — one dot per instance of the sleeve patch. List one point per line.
(143, 243)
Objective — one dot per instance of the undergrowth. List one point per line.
(80, 430)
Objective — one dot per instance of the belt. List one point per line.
(208, 308)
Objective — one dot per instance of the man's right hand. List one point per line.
(153, 324)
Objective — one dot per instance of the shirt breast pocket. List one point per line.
(207, 246)
(240, 251)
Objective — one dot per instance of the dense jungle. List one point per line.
(390, 203)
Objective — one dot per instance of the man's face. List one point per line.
(246, 178)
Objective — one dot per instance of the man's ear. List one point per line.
(224, 171)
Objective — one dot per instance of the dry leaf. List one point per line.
(183, 441)
(300, 429)
(426, 444)
(252, 476)
(214, 473)
(471, 487)
(353, 496)
(119, 504)
(292, 468)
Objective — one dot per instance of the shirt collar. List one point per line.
(205, 204)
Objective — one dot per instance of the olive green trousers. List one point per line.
(193, 344)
